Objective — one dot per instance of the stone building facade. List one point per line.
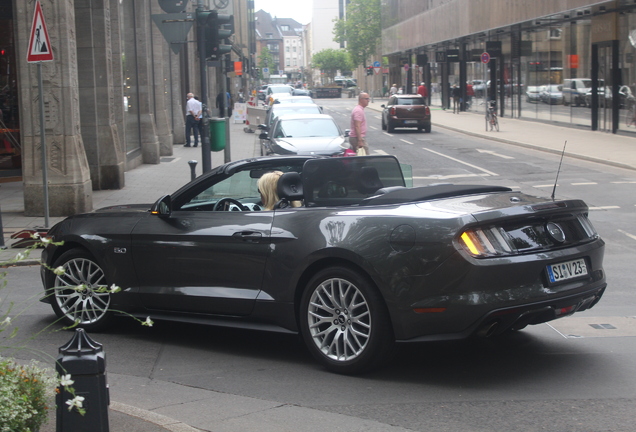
(114, 96)
(543, 47)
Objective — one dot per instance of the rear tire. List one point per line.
(427, 128)
(390, 128)
(344, 321)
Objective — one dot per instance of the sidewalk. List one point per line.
(144, 405)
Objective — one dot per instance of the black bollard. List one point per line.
(84, 360)
(2, 245)
(193, 167)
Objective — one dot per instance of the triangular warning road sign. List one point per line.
(39, 43)
(174, 27)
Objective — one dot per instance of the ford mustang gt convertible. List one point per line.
(362, 263)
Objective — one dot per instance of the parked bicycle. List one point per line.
(491, 116)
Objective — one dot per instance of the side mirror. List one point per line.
(382, 106)
(347, 132)
(162, 207)
(261, 127)
(264, 136)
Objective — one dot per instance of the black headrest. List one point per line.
(290, 186)
(369, 180)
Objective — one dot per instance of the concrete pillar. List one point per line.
(97, 97)
(118, 76)
(69, 180)
(160, 66)
(140, 118)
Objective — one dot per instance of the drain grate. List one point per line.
(603, 326)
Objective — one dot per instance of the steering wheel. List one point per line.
(224, 205)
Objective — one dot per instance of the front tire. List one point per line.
(344, 321)
(75, 295)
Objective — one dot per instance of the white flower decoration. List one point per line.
(148, 322)
(65, 380)
(75, 402)
(114, 289)
(59, 271)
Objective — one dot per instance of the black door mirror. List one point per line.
(163, 206)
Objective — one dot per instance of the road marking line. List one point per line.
(631, 236)
(490, 152)
(408, 142)
(424, 139)
(461, 162)
(373, 127)
(623, 182)
(545, 186)
(446, 177)
(381, 152)
(387, 134)
(605, 208)
(583, 184)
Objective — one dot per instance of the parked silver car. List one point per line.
(304, 134)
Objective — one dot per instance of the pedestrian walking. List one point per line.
(193, 119)
(422, 90)
(393, 90)
(456, 95)
(358, 134)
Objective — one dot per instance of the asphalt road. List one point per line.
(558, 377)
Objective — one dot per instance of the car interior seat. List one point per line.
(289, 188)
(369, 180)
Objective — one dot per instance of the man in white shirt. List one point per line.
(193, 119)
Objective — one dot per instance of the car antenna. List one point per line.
(559, 170)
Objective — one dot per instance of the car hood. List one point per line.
(309, 145)
(139, 208)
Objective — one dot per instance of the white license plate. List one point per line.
(410, 121)
(566, 270)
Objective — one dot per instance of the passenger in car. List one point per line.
(267, 186)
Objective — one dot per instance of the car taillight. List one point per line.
(486, 242)
(392, 111)
(427, 111)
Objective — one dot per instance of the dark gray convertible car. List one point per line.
(363, 263)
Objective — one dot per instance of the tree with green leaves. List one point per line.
(360, 31)
(265, 60)
(330, 61)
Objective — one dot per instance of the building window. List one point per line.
(284, 28)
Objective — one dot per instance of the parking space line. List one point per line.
(462, 162)
(631, 236)
(584, 183)
(605, 208)
(408, 142)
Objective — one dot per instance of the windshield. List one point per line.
(410, 101)
(306, 128)
(284, 89)
(292, 110)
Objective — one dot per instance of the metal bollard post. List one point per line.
(2, 245)
(84, 360)
(193, 167)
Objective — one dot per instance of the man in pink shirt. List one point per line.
(358, 133)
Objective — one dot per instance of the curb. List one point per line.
(154, 418)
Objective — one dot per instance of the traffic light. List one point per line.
(218, 28)
(369, 70)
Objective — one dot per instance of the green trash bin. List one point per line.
(217, 134)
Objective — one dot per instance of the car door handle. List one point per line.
(248, 235)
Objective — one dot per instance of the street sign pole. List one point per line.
(45, 179)
(38, 51)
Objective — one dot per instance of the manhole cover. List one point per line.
(578, 327)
